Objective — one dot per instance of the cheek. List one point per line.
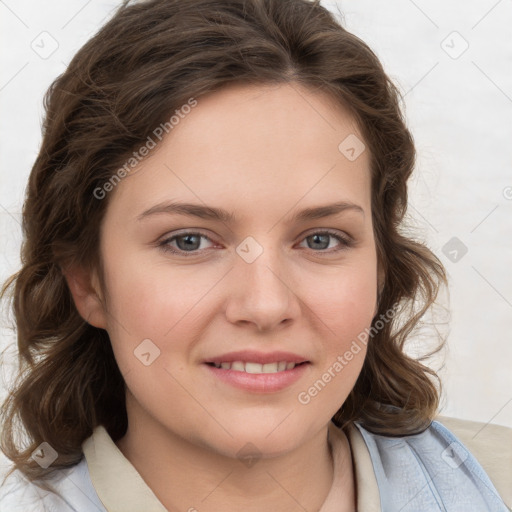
(346, 315)
(150, 297)
(351, 309)
(155, 302)
(346, 300)
(346, 310)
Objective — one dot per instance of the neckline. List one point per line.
(120, 486)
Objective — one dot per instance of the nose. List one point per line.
(262, 292)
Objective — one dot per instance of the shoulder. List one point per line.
(491, 445)
(65, 490)
(422, 471)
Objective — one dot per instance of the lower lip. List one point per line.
(260, 382)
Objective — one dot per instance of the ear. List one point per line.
(86, 292)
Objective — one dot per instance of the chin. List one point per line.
(266, 440)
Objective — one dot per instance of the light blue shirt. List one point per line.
(431, 472)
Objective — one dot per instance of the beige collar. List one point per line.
(120, 487)
(118, 484)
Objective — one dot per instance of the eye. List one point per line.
(188, 243)
(320, 240)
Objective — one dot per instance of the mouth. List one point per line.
(257, 368)
(255, 377)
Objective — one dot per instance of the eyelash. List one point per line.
(164, 244)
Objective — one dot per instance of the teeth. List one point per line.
(249, 367)
(254, 368)
(238, 366)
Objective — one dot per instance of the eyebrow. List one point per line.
(219, 214)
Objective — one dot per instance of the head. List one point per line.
(263, 109)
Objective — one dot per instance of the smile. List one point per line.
(251, 367)
(258, 377)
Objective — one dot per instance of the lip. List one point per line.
(258, 357)
(259, 382)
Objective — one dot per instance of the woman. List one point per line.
(186, 345)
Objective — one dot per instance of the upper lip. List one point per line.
(257, 357)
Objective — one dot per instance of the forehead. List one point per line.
(246, 145)
(266, 119)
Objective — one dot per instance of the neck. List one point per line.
(187, 476)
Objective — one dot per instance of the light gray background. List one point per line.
(458, 106)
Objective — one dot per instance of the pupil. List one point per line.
(189, 241)
(326, 241)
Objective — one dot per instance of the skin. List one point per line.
(263, 153)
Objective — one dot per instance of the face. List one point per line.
(185, 291)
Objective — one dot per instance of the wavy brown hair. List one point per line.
(141, 66)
